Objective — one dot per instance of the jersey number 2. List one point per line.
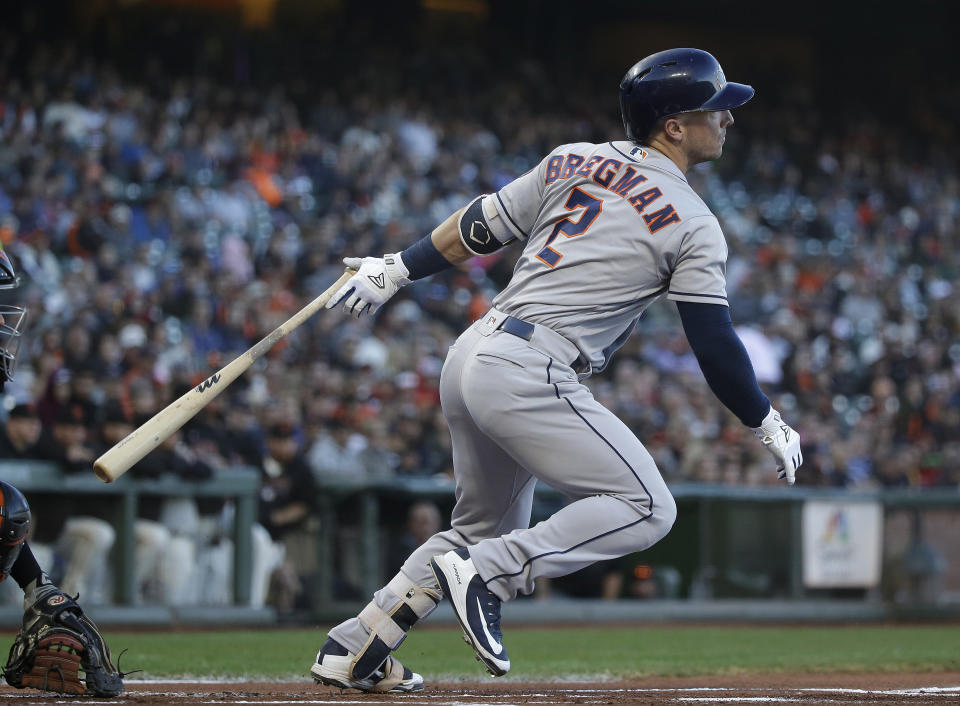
(578, 199)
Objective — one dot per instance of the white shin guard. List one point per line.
(388, 626)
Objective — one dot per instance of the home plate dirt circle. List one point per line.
(930, 688)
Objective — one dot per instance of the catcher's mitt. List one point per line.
(56, 643)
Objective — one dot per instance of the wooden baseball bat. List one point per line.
(124, 454)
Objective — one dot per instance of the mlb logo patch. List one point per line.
(720, 80)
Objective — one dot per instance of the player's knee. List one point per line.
(667, 510)
(663, 515)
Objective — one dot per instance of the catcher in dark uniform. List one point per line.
(58, 648)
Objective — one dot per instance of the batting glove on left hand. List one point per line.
(783, 442)
(377, 279)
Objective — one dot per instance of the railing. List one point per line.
(728, 542)
(239, 484)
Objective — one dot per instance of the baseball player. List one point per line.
(57, 640)
(606, 230)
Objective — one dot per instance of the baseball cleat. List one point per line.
(333, 668)
(476, 607)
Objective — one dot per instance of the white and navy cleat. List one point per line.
(333, 668)
(476, 607)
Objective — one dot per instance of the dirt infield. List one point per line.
(931, 688)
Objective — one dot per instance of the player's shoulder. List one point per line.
(698, 208)
(581, 148)
(705, 223)
(696, 231)
(620, 151)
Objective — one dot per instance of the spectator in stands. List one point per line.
(161, 223)
(287, 497)
(19, 436)
(56, 396)
(241, 441)
(337, 451)
(287, 488)
(423, 521)
(65, 441)
(377, 459)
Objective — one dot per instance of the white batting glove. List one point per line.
(783, 442)
(377, 279)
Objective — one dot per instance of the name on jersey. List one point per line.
(610, 174)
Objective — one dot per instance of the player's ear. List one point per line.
(673, 127)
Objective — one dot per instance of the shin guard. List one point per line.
(388, 628)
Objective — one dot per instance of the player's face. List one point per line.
(705, 134)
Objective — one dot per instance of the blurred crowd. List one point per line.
(162, 225)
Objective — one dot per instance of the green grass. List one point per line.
(564, 653)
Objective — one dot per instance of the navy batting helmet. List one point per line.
(14, 525)
(672, 82)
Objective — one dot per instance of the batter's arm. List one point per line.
(466, 233)
(723, 360)
(446, 239)
(378, 278)
(728, 371)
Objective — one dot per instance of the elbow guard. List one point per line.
(475, 233)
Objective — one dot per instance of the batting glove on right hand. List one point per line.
(783, 442)
(377, 279)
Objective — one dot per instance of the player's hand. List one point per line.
(783, 442)
(377, 279)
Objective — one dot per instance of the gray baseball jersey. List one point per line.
(607, 229)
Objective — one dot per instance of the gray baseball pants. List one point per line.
(517, 413)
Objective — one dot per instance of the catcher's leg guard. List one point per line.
(388, 628)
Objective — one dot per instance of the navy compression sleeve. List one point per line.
(25, 569)
(423, 259)
(724, 360)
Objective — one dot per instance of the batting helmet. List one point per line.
(14, 525)
(673, 82)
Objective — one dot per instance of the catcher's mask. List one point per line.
(14, 525)
(11, 321)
